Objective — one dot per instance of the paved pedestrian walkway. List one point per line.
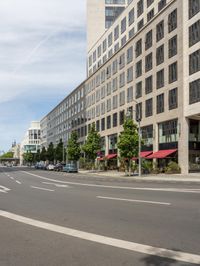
(193, 177)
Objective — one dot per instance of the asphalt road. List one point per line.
(51, 219)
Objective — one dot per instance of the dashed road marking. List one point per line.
(18, 182)
(41, 188)
(4, 189)
(54, 184)
(118, 243)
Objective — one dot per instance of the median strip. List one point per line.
(131, 246)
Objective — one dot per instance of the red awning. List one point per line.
(143, 154)
(111, 156)
(161, 154)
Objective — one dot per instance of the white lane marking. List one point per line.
(4, 189)
(132, 246)
(11, 177)
(115, 187)
(132, 200)
(18, 182)
(57, 185)
(41, 188)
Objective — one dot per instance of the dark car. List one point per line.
(70, 168)
(59, 167)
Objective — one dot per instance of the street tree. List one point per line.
(7, 155)
(28, 157)
(92, 144)
(128, 142)
(37, 156)
(43, 154)
(59, 151)
(50, 152)
(73, 148)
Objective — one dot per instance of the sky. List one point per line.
(42, 59)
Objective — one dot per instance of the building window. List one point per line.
(94, 56)
(129, 74)
(148, 62)
(110, 53)
(114, 67)
(194, 64)
(108, 88)
(147, 137)
(130, 55)
(150, 14)
(194, 33)
(99, 50)
(103, 108)
(102, 92)
(121, 61)
(140, 8)
(108, 105)
(148, 40)
(110, 36)
(115, 120)
(114, 84)
(148, 84)
(131, 33)
(149, 2)
(108, 122)
(138, 48)
(173, 73)
(168, 131)
(172, 21)
(148, 107)
(161, 4)
(160, 31)
(140, 24)
(97, 126)
(123, 41)
(195, 91)
(129, 94)
(138, 113)
(172, 46)
(104, 45)
(160, 103)
(139, 69)
(123, 25)
(173, 99)
(160, 55)
(116, 48)
(122, 79)
(138, 92)
(160, 79)
(115, 101)
(121, 117)
(122, 98)
(116, 33)
(108, 71)
(131, 17)
(194, 7)
(102, 124)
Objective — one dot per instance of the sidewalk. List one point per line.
(193, 177)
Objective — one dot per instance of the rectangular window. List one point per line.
(114, 66)
(108, 122)
(116, 48)
(123, 25)
(129, 94)
(160, 55)
(160, 31)
(121, 61)
(138, 113)
(131, 33)
(102, 124)
(172, 46)
(148, 84)
(140, 24)
(115, 101)
(103, 108)
(115, 120)
(104, 45)
(172, 21)
(173, 99)
(139, 69)
(194, 64)
(160, 103)
(138, 48)
(123, 40)
(116, 33)
(122, 79)
(102, 92)
(108, 88)
(194, 7)
(149, 2)
(138, 92)
(148, 62)
(131, 17)
(194, 91)
(194, 33)
(160, 79)
(122, 98)
(140, 7)
(129, 74)
(149, 107)
(114, 84)
(148, 40)
(130, 55)
(168, 131)
(161, 4)
(110, 37)
(150, 14)
(173, 72)
(108, 71)
(121, 117)
(99, 50)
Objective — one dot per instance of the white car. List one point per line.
(50, 167)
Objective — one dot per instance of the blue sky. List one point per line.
(42, 59)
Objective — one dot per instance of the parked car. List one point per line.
(70, 168)
(59, 167)
(50, 167)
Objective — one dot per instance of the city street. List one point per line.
(55, 219)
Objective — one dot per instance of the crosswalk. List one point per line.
(4, 189)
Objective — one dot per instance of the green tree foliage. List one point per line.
(59, 151)
(50, 152)
(128, 141)
(92, 144)
(37, 156)
(43, 154)
(6, 155)
(73, 148)
(28, 157)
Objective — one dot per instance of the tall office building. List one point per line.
(100, 16)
